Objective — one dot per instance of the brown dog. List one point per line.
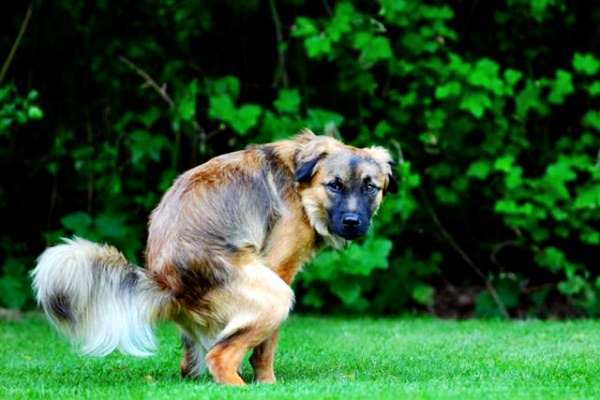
(224, 245)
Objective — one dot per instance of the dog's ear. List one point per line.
(305, 136)
(392, 186)
(311, 150)
(305, 170)
(383, 157)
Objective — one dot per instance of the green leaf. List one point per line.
(480, 169)
(363, 259)
(449, 89)
(304, 27)
(246, 118)
(457, 65)
(436, 119)
(592, 118)
(318, 119)
(590, 237)
(559, 214)
(341, 22)
(77, 222)
(32, 95)
(361, 39)
(288, 101)
(436, 12)
(35, 112)
(221, 107)
(149, 118)
(382, 130)
(512, 76)
(446, 195)
(144, 145)
(348, 292)
(538, 8)
(561, 87)
(485, 74)
(552, 259)
(414, 180)
(586, 63)
(594, 88)
(504, 163)
(187, 105)
(111, 226)
(529, 99)
(323, 267)
(313, 298)
(424, 294)
(227, 85)
(506, 206)
(317, 46)
(416, 43)
(572, 286)
(514, 177)
(560, 172)
(377, 48)
(588, 197)
(554, 182)
(476, 102)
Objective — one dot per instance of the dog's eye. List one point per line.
(371, 188)
(334, 186)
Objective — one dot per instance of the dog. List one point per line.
(224, 245)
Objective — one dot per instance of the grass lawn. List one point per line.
(328, 358)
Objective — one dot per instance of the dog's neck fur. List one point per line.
(287, 151)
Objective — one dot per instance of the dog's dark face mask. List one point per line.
(353, 186)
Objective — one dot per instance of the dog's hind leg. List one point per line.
(255, 305)
(262, 359)
(224, 358)
(192, 363)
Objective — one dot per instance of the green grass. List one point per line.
(329, 358)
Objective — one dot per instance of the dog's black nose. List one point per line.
(351, 220)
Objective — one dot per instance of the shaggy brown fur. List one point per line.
(224, 244)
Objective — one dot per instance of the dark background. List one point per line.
(491, 105)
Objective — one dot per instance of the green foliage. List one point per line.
(586, 64)
(222, 106)
(490, 109)
(344, 273)
(15, 286)
(16, 110)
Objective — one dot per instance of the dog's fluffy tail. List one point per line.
(97, 298)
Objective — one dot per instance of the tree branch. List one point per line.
(161, 90)
(496, 250)
(488, 285)
(16, 44)
(327, 7)
(280, 43)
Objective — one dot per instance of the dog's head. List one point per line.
(341, 186)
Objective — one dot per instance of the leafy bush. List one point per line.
(492, 110)
(15, 111)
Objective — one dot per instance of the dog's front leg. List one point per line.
(262, 359)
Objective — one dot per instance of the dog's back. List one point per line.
(208, 244)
